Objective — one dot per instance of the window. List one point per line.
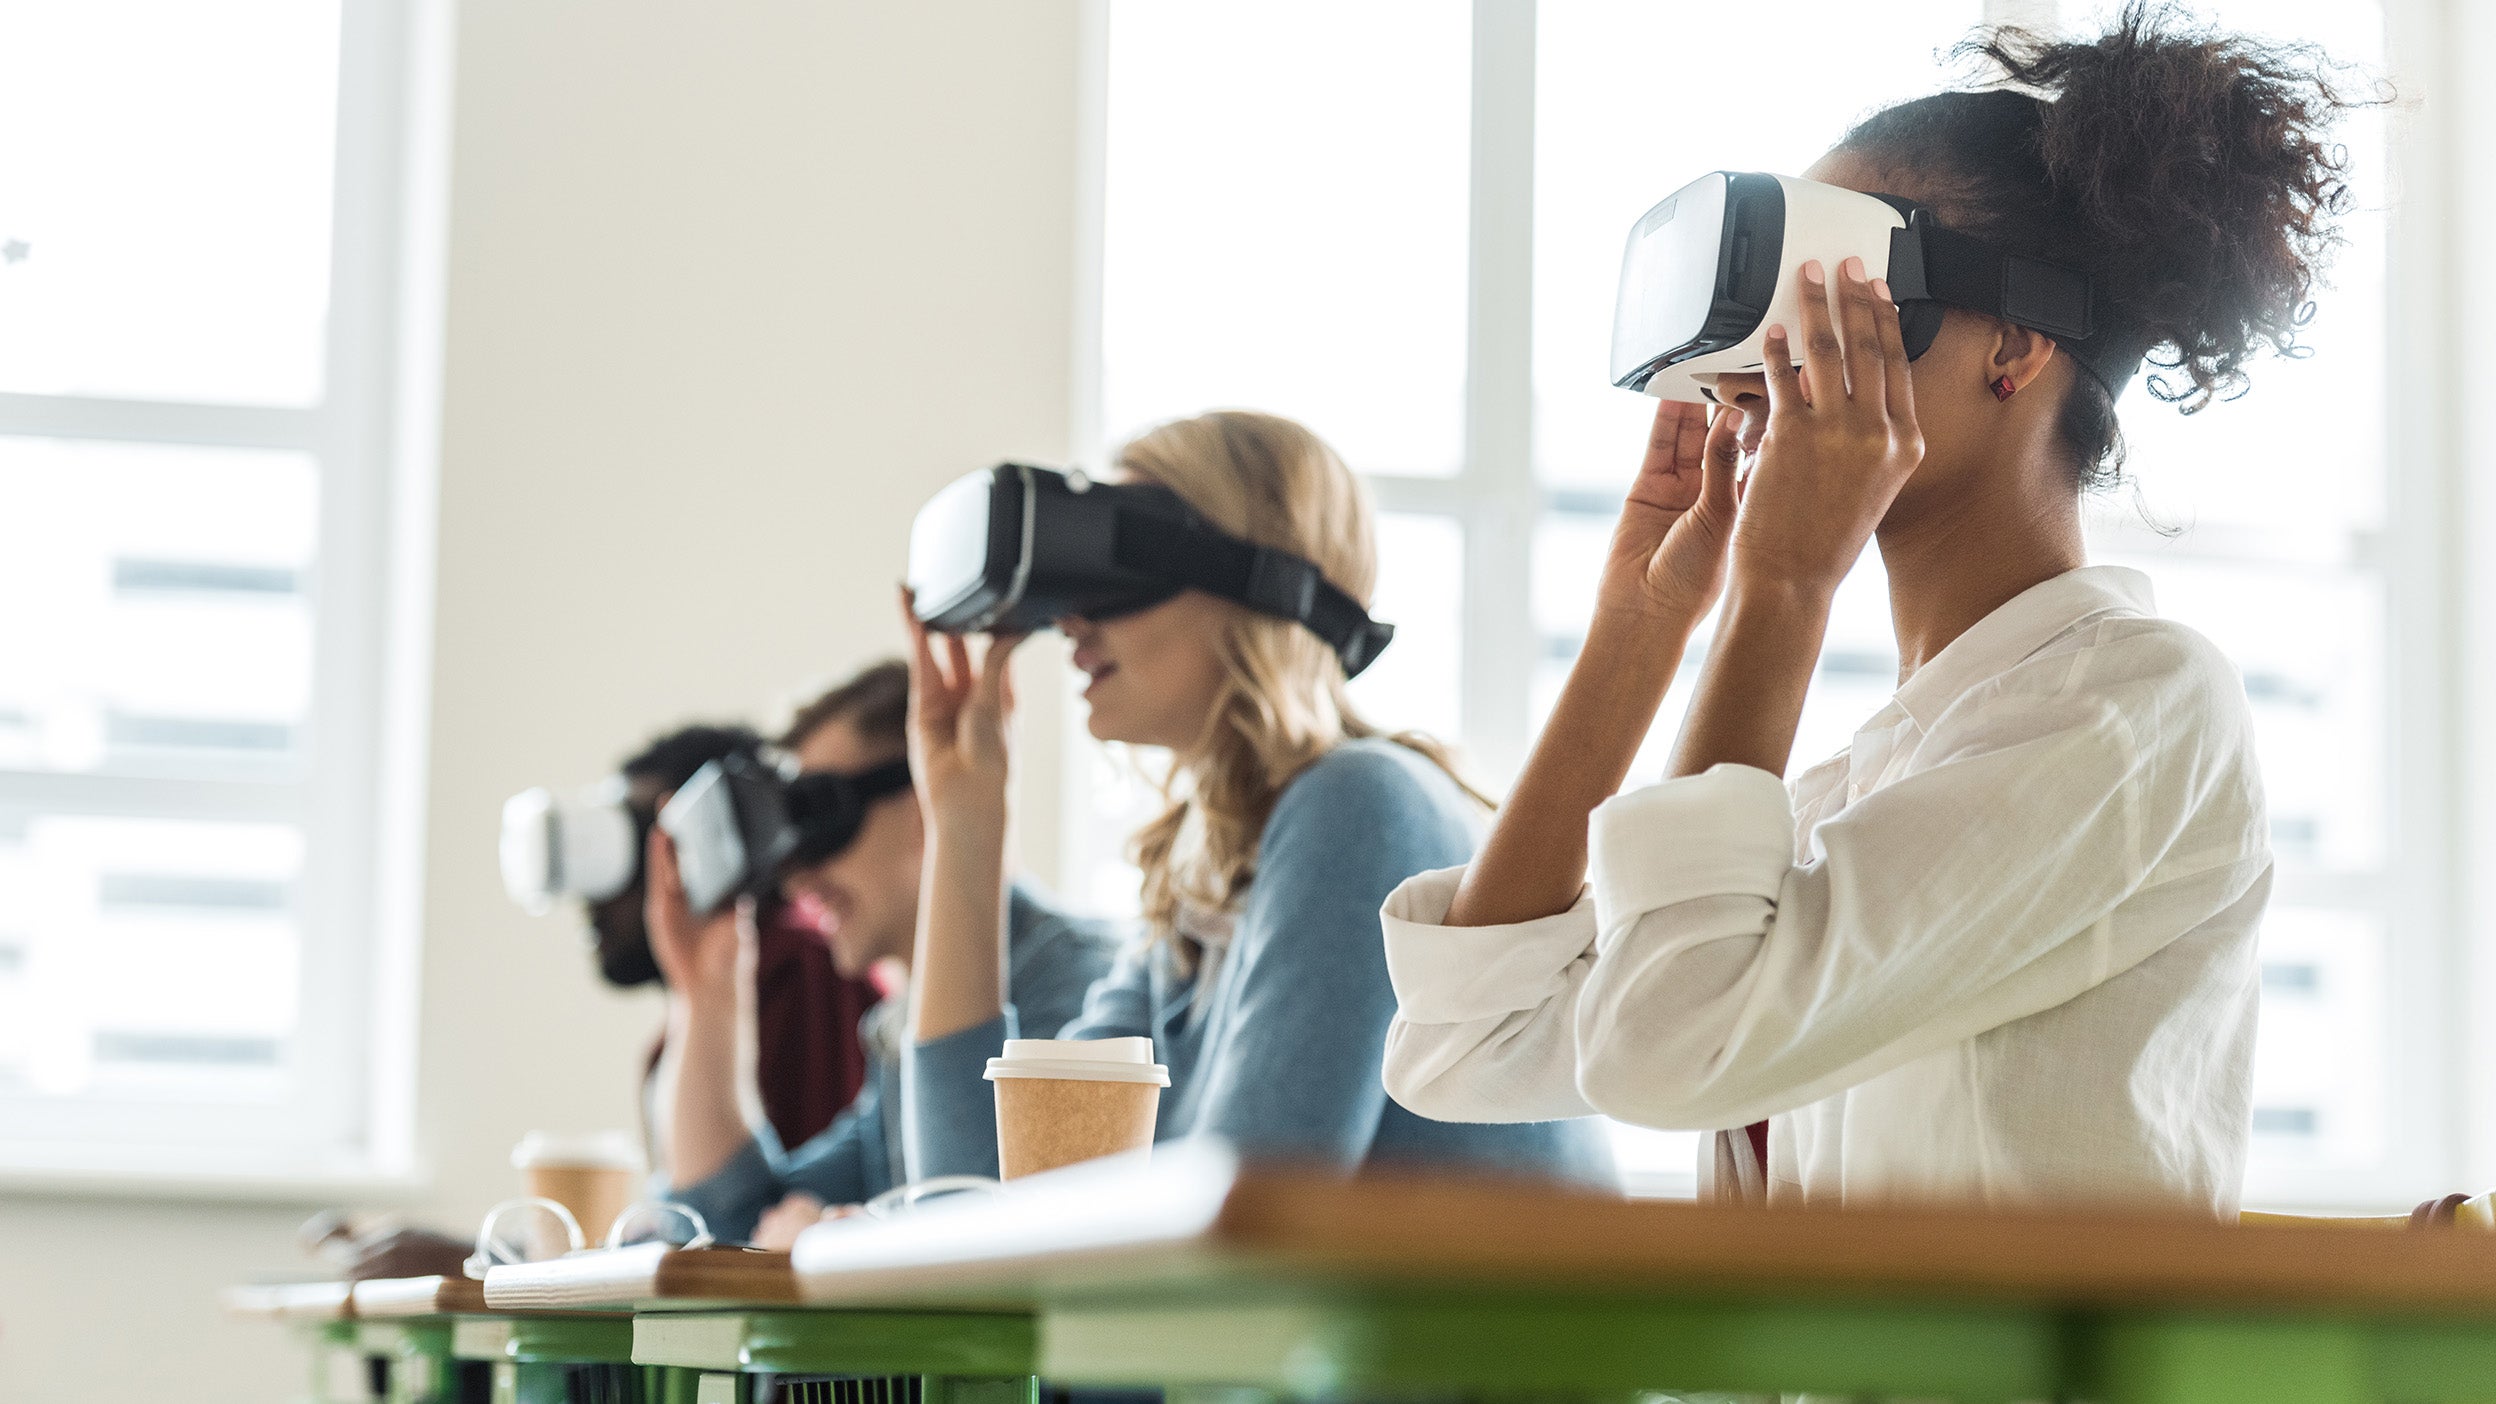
(196, 289)
(1401, 224)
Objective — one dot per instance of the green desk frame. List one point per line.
(726, 1357)
(417, 1350)
(1319, 1342)
(537, 1359)
(1229, 1284)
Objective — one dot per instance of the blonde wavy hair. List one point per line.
(1282, 706)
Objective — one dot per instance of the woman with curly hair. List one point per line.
(2001, 948)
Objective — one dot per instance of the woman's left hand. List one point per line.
(1841, 438)
(961, 722)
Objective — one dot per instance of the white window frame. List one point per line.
(359, 803)
(2441, 1062)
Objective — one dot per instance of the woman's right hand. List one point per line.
(1669, 548)
(961, 723)
(699, 956)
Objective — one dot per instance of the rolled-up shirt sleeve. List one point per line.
(1731, 982)
(2046, 838)
(1484, 1014)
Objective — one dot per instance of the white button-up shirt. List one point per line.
(2000, 950)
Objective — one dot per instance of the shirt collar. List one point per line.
(2026, 622)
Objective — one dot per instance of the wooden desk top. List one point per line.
(399, 1297)
(1195, 1214)
(644, 1273)
(291, 1301)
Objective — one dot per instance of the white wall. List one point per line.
(731, 288)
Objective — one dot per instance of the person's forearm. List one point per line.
(1534, 860)
(705, 1124)
(1758, 671)
(957, 980)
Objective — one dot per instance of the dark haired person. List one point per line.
(2002, 948)
(808, 1057)
(748, 1181)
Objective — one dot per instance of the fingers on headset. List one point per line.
(957, 663)
(1824, 356)
(1785, 386)
(662, 860)
(996, 679)
(1866, 358)
(924, 672)
(1664, 436)
(1696, 425)
(1723, 460)
(1724, 437)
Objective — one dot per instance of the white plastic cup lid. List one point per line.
(579, 1150)
(1080, 1060)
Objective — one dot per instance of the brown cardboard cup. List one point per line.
(595, 1176)
(1062, 1101)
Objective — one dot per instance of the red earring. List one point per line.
(2003, 389)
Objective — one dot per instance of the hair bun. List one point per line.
(2196, 166)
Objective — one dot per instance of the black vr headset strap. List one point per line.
(1264, 579)
(1930, 263)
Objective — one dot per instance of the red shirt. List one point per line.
(808, 1055)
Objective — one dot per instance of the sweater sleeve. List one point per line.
(1297, 1069)
(949, 1123)
(832, 1167)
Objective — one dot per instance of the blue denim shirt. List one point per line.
(1052, 959)
(1279, 1050)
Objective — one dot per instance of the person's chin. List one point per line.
(1101, 721)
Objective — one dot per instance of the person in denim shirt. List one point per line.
(1262, 975)
(745, 1182)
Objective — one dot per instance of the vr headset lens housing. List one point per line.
(1713, 265)
(586, 845)
(741, 824)
(1016, 548)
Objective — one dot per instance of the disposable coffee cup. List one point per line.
(1065, 1100)
(594, 1174)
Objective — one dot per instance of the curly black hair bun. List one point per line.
(2189, 171)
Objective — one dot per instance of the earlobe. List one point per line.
(2019, 356)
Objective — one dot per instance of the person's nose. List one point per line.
(1746, 391)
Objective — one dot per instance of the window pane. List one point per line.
(1414, 685)
(1858, 661)
(1286, 222)
(2321, 1076)
(141, 956)
(1619, 85)
(1652, 1162)
(165, 233)
(175, 625)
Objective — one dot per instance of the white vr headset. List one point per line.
(1709, 269)
(586, 844)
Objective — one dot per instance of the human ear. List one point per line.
(2019, 357)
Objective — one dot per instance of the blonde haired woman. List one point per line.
(1261, 977)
